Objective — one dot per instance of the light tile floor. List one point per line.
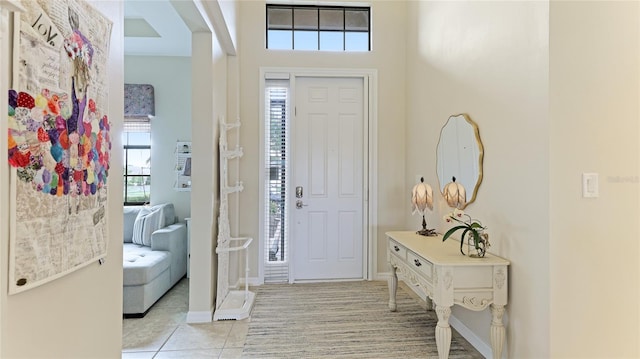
(164, 333)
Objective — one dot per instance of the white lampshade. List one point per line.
(455, 194)
(421, 197)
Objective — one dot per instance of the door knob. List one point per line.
(299, 204)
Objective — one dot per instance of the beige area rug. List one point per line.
(343, 320)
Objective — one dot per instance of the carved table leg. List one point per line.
(393, 288)
(429, 303)
(497, 330)
(443, 331)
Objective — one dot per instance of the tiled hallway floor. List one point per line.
(164, 333)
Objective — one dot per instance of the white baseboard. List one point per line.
(239, 282)
(253, 281)
(382, 276)
(471, 337)
(200, 317)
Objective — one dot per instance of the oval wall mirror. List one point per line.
(459, 160)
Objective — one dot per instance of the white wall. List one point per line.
(80, 314)
(489, 60)
(230, 9)
(555, 92)
(171, 80)
(387, 57)
(595, 118)
(209, 105)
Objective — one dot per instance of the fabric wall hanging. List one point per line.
(59, 141)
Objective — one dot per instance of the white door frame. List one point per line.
(370, 183)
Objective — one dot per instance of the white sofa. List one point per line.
(157, 261)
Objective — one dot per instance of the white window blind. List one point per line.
(277, 167)
(136, 125)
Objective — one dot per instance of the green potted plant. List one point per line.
(477, 238)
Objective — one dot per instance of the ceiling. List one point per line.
(154, 28)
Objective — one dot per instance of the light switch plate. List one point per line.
(590, 185)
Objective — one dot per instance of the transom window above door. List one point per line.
(318, 28)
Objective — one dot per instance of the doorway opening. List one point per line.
(285, 204)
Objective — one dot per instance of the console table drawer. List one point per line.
(420, 264)
(397, 249)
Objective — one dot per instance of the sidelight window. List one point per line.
(276, 161)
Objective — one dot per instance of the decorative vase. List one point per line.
(479, 252)
(477, 239)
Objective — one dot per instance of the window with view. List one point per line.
(137, 162)
(319, 28)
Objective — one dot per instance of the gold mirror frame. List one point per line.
(459, 149)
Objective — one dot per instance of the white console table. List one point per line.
(450, 278)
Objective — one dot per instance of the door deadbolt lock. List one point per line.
(299, 192)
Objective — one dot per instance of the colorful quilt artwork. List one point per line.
(58, 141)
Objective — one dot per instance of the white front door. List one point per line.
(328, 158)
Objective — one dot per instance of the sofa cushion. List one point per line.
(152, 223)
(138, 225)
(168, 213)
(141, 265)
(148, 221)
(130, 215)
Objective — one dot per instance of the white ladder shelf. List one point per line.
(237, 304)
(230, 304)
